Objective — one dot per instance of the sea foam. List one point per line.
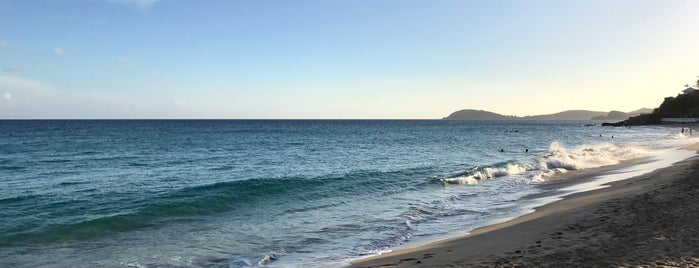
(488, 173)
(558, 160)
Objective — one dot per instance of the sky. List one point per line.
(340, 59)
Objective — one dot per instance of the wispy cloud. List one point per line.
(124, 60)
(4, 45)
(24, 98)
(28, 89)
(14, 70)
(59, 51)
(180, 104)
(140, 3)
(15, 82)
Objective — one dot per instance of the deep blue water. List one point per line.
(237, 193)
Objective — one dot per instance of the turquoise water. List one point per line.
(246, 193)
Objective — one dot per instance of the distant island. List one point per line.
(681, 109)
(472, 114)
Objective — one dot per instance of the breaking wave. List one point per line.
(558, 160)
(479, 174)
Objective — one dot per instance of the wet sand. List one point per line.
(651, 220)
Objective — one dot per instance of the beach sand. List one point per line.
(650, 221)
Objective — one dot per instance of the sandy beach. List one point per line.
(650, 221)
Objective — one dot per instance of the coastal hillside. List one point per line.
(567, 115)
(618, 115)
(685, 105)
(472, 114)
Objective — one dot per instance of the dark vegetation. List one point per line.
(682, 106)
(617, 115)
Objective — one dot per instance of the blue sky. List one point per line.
(340, 59)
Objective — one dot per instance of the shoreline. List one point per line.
(572, 230)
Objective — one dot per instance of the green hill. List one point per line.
(685, 105)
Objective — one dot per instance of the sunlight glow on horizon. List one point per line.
(340, 59)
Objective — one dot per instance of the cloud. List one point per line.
(140, 3)
(30, 91)
(8, 81)
(124, 60)
(180, 104)
(14, 70)
(59, 51)
(25, 98)
(4, 46)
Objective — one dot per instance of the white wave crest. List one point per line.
(558, 160)
(679, 136)
(488, 173)
(587, 156)
(545, 174)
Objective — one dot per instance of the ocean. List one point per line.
(279, 193)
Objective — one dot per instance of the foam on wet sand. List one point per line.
(647, 220)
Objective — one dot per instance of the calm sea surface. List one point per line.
(153, 193)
